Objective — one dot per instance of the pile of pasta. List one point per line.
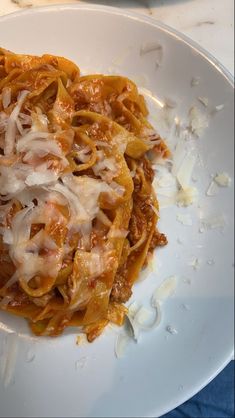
(78, 213)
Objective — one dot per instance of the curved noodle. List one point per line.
(78, 213)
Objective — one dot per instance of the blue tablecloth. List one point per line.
(215, 401)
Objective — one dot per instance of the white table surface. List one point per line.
(208, 22)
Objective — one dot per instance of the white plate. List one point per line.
(54, 377)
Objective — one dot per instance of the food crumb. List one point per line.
(212, 222)
(212, 189)
(198, 122)
(171, 103)
(195, 81)
(195, 263)
(203, 100)
(30, 356)
(187, 281)
(171, 330)
(121, 345)
(81, 363)
(223, 180)
(184, 219)
(81, 339)
(220, 107)
(185, 307)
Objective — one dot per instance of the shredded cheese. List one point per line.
(6, 97)
(187, 197)
(203, 100)
(10, 360)
(213, 222)
(185, 170)
(198, 121)
(12, 124)
(121, 345)
(212, 189)
(184, 219)
(150, 47)
(223, 179)
(166, 289)
(195, 81)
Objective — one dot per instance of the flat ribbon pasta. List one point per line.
(78, 213)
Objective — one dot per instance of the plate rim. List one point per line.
(136, 16)
(179, 36)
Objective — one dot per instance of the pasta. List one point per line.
(78, 214)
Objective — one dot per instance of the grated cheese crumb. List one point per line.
(203, 100)
(195, 81)
(212, 222)
(220, 107)
(171, 330)
(171, 103)
(198, 121)
(81, 339)
(212, 189)
(195, 263)
(150, 47)
(81, 363)
(187, 197)
(185, 307)
(187, 281)
(184, 219)
(223, 179)
(30, 356)
(165, 290)
(121, 345)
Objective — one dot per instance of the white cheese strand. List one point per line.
(11, 130)
(6, 97)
